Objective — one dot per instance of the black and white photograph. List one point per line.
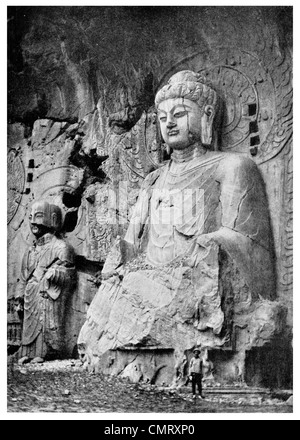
(150, 213)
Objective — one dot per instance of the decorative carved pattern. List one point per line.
(14, 325)
(242, 102)
(280, 71)
(15, 183)
(256, 90)
(257, 98)
(99, 222)
(131, 150)
(286, 266)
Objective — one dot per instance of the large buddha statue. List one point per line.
(196, 266)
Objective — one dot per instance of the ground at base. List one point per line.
(65, 387)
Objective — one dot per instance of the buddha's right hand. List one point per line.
(108, 275)
(104, 276)
(96, 279)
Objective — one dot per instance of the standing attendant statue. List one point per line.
(47, 279)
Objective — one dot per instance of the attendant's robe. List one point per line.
(47, 279)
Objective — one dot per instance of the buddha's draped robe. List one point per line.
(185, 213)
(222, 195)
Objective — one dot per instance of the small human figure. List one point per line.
(195, 373)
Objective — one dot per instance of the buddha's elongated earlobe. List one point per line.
(207, 124)
(56, 218)
(54, 221)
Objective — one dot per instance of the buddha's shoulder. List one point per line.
(235, 162)
(224, 161)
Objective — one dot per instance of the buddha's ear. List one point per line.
(54, 220)
(207, 120)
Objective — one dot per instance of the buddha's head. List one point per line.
(45, 217)
(186, 110)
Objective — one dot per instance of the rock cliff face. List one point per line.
(83, 133)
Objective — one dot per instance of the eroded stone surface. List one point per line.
(47, 278)
(77, 97)
(204, 224)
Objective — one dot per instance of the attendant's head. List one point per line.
(45, 217)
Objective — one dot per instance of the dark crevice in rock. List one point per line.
(71, 200)
(88, 266)
(92, 78)
(156, 372)
(70, 222)
(91, 164)
(18, 20)
(70, 120)
(268, 366)
(123, 121)
(82, 121)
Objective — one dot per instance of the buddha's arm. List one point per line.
(138, 219)
(245, 231)
(141, 211)
(125, 249)
(243, 202)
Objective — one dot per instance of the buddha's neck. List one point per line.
(189, 153)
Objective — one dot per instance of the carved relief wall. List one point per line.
(83, 131)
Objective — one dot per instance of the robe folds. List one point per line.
(47, 279)
(201, 262)
(220, 197)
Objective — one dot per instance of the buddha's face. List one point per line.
(180, 122)
(40, 219)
